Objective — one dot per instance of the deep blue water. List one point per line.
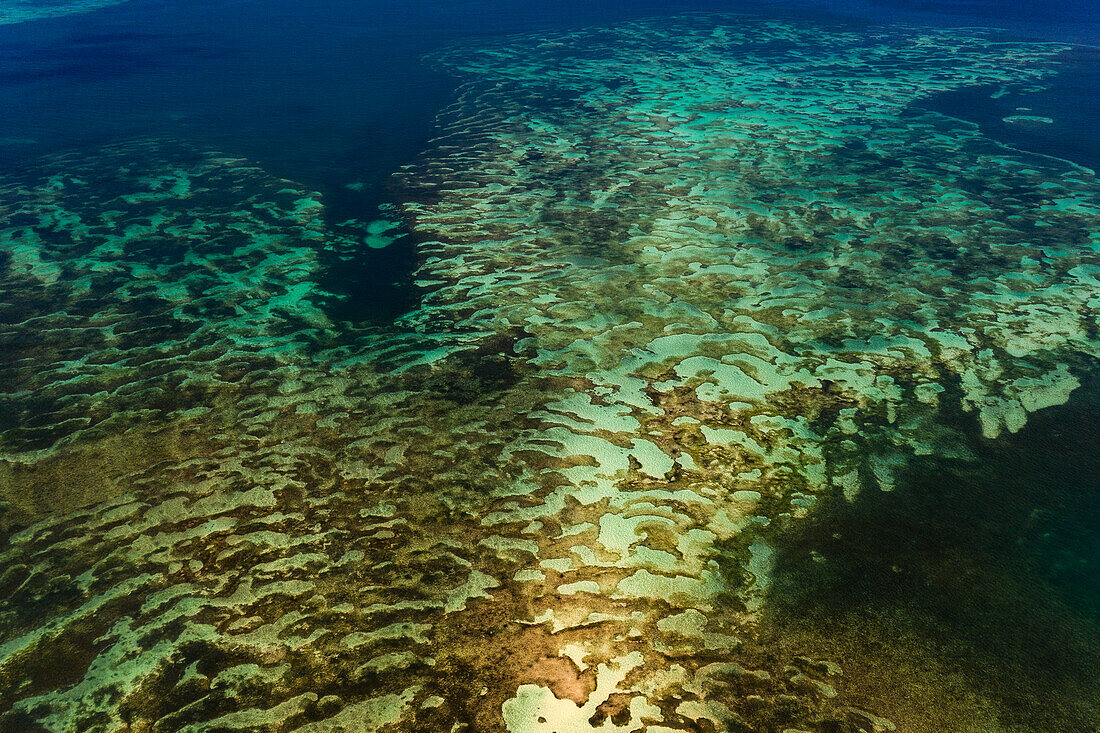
(334, 93)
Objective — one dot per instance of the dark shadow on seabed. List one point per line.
(967, 599)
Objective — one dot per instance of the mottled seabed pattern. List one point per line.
(685, 282)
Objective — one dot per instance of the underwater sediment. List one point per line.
(684, 283)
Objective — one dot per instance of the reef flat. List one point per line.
(683, 283)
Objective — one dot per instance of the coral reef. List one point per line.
(683, 282)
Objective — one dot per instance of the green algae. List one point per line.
(672, 299)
